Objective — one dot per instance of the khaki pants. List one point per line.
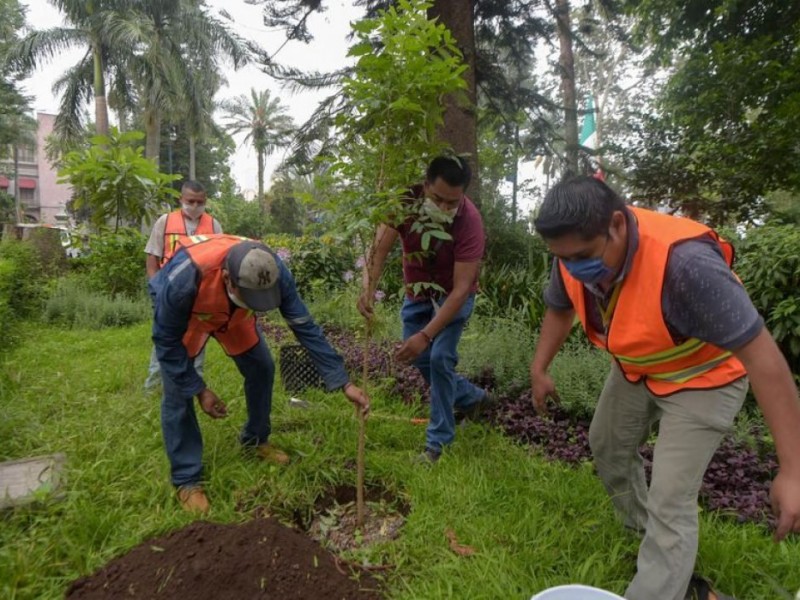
(692, 424)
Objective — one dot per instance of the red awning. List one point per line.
(3, 181)
(26, 183)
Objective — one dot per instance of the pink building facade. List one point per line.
(43, 199)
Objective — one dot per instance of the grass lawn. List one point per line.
(534, 524)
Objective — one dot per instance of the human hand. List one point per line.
(211, 404)
(785, 497)
(365, 305)
(542, 387)
(357, 396)
(412, 348)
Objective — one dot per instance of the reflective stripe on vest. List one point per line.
(212, 313)
(637, 335)
(175, 232)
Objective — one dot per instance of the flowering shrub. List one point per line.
(315, 261)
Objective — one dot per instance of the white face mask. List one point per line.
(193, 211)
(436, 214)
(236, 301)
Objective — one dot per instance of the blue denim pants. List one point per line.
(437, 364)
(182, 438)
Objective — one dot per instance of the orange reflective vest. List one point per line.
(213, 314)
(175, 231)
(637, 335)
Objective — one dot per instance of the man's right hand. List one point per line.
(542, 386)
(212, 405)
(365, 305)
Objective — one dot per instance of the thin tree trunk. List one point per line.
(566, 63)
(361, 456)
(460, 128)
(100, 102)
(192, 162)
(261, 201)
(152, 124)
(121, 116)
(17, 200)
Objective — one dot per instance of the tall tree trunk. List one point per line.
(566, 64)
(152, 125)
(17, 200)
(261, 201)
(192, 156)
(100, 101)
(460, 128)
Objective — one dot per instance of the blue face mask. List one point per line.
(589, 270)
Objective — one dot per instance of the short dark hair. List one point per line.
(193, 186)
(581, 205)
(453, 169)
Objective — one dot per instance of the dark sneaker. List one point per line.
(475, 412)
(428, 457)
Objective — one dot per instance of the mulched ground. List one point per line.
(258, 559)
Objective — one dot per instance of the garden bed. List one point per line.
(736, 482)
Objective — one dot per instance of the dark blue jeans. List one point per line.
(182, 438)
(437, 364)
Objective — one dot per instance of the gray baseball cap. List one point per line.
(254, 271)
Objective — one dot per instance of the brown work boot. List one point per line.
(269, 453)
(193, 499)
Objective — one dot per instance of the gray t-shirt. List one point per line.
(701, 298)
(155, 245)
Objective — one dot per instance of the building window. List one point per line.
(27, 196)
(25, 154)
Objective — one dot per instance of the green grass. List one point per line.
(534, 524)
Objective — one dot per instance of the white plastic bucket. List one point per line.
(575, 592)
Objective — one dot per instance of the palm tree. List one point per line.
(196, 106)
(88, 21)
(169, 38)
(265, 122)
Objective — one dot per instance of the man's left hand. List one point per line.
(357, 396)
(412, 348)
(785, 497)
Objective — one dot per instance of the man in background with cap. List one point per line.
(211, 288)
(190, 219)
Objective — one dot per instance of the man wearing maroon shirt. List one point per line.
(434, 315)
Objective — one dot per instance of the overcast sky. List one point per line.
(326, 52)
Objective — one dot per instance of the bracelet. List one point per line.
(427, 337)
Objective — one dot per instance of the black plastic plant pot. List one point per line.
(298, 372)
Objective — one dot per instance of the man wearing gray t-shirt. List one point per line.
(657, 292)
(189, 219)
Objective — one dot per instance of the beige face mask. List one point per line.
(193, 211)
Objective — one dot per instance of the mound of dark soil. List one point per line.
(259, 559)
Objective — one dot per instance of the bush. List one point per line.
(76, 304)
(26, 274)
(498, 349)
(774, 282)
(316, 262)
(115, 264)
(6, 291)
(579, 372)
(340, 310)
(507, 291)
